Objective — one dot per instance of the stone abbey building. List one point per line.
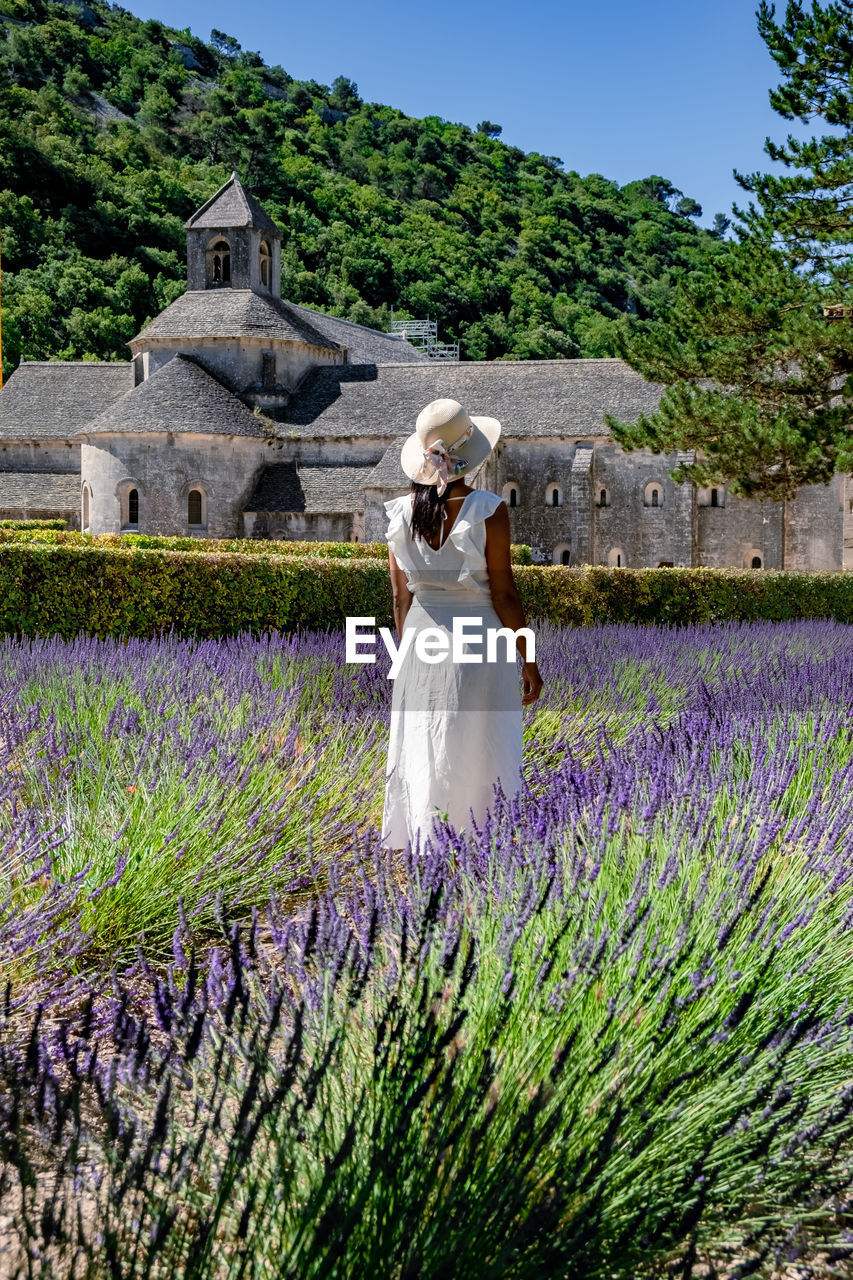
(240, 414)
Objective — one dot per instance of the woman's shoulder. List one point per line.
(400, 503)
(485, 502)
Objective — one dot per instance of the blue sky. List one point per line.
(626, 89)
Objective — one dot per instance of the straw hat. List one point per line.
(446, 442)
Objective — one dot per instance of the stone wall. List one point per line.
(682, 530)
(581, 484)
(731, 534)
(593, 533)
(239, 363)
(163, 468)
(814, 526)
(245, 246)
(71, 515)
(845, 496)
(807, 532)
(644, 536)
(302, 526)
(39, 455)
(357, 451)
(532, 466)
(815, 531)
(375, 515)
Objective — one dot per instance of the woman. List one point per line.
(455, 724)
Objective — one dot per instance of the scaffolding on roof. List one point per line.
(423, 334)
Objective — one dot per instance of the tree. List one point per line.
(658, 189)
(749, 363)
(489, 129)
(758, 377)
(687, 207)
(344, 95)
(299, 96)
(225, 45)
(808, 211)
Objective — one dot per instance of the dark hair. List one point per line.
(428, 510)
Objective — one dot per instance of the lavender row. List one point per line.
(608, 1031)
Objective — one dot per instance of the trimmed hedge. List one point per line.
(34, 524)
(580, 597)
(66, 590)
(54, 533)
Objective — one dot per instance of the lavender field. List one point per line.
(608, 1035)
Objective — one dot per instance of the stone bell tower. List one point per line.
(233, 244)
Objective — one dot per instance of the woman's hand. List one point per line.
(532, 686)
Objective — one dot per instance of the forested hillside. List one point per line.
(112, 130)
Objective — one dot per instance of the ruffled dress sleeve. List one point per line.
(397, 532)
(469, 531)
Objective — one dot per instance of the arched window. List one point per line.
(219, 263)
(553, 495)
(127, 493)
(194, 515)
(615, 559)
(715, 498)
(562, 554)
(265, 258)
(655, 498)
(268, 370)
(755, 562)
(85, 506)
(603, 498)
(653, 494)
(510, 494)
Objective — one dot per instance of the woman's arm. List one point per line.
(400, 591)
(505, 597)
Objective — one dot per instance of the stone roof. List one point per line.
(229, 208)
(313, 489)
(39, 490)
(233, 313)
(365, 346)
(388, 474)
(49, 400)
(531, 398)
(179, 397)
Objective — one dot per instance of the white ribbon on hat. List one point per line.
(436, 459)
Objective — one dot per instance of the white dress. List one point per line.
(456, 727)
